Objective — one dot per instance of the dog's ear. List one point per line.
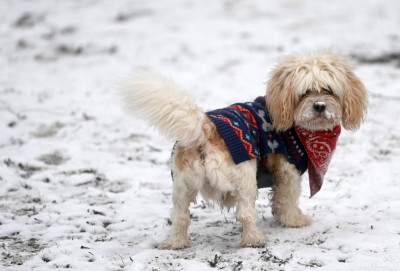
(280, 98)
(355, 102)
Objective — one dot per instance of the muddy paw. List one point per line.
(176, 242)
(253, 239)
(295, 221)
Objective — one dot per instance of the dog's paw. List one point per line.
(253, 239)
(295, 220)
(176, 242)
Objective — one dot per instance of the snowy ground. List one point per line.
(85, 186)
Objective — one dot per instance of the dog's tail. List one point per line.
(160, 101)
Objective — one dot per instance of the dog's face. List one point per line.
(316, 93)
(318, 110)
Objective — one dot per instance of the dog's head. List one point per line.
(316, 92)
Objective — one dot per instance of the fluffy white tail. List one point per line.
(160, 101)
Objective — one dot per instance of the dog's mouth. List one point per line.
(318, 121)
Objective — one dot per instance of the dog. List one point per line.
(308, 98)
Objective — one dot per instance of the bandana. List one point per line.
(319, 146)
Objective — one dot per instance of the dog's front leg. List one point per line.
(286, 193)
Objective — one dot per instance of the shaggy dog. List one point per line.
(307, 99)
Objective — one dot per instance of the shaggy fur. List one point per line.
(316, 92)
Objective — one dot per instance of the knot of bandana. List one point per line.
(319, 146)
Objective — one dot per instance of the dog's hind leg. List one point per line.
(182, 196)
(188, 179)
(245, 207)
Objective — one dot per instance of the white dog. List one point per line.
(292, 129)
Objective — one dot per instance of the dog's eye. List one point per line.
(306, 93)
(328, 90)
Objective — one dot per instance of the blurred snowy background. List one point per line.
(86, 186)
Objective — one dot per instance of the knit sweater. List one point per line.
(248, 133)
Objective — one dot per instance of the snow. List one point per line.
(86, 186)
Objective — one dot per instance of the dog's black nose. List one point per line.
(319, 106)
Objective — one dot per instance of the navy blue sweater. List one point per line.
(248, 133)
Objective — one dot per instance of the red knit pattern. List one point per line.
(247, 145)
(247, 113)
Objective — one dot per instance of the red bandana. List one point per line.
(319, 146)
